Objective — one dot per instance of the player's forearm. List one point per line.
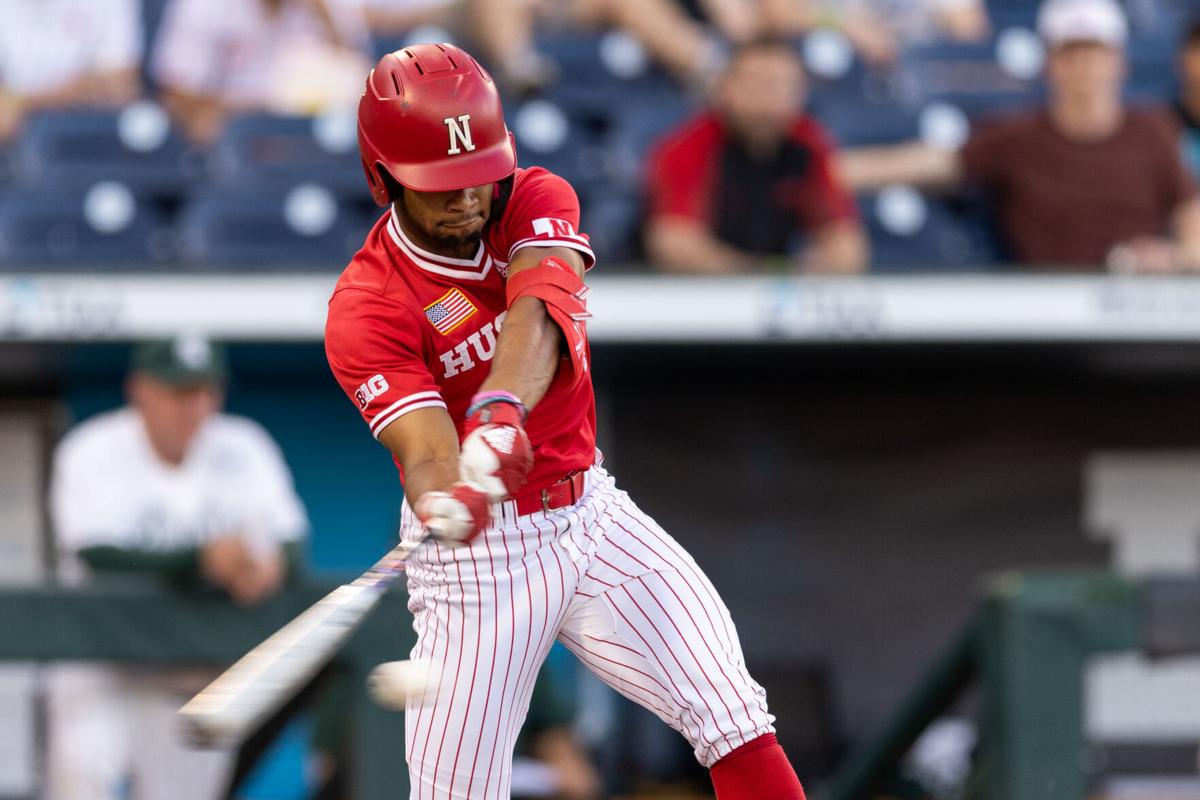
(434, 475)
(425, 444)
(867, 169)
(527, 352)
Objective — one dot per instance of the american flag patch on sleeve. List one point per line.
(449, 311)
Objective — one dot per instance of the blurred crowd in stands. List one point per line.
(703, 136)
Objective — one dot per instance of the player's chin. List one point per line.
(455, 237)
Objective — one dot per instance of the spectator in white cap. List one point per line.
(1072, 21)
(1084, 183)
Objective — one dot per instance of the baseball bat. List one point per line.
(260, 682)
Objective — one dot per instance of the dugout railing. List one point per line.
(1026, 649)
(150, 626)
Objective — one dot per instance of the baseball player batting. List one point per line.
(459, 332)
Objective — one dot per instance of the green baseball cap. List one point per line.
(185, 360)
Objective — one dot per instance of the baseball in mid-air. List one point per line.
(393, 683)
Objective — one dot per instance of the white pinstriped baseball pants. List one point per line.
(604, 579)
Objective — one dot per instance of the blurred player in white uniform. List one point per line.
(167, 486)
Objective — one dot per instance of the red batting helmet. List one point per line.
(430, 118)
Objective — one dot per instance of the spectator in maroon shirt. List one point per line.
(1085, 182)
(752, 180)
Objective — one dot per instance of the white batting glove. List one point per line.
(456, 516)
(496, 453)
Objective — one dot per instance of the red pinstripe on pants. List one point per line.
(604, 579)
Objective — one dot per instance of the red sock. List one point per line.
(758, 770)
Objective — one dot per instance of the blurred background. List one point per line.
(895, 330)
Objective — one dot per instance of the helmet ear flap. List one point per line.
(500, 194)
(392, 188)
(383, 186)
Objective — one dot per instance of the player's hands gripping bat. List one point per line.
(456, 516)
(496, 453)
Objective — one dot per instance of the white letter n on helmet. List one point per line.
(460, 130)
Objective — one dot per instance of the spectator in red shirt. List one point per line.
(752, 179)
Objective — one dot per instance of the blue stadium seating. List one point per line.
(883, 104)
(637, 125)
(304, 227)
(601, 74)
(107, 225)
(614, 105)
(547, 136)
(859, 123)
(946, 236)
(611, 217)
(278, 152)
(136, 146)
(1013, 12)
(968, 75)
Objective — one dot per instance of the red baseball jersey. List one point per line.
(409, 329)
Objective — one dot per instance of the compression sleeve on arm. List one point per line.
(562, 290)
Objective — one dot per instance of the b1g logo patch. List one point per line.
(375, 386)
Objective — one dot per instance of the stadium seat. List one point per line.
(1013, 12)
(1151, 56)
(303, 227)
(912, 232)
(276, 153)
(636, 127)
(859, 123)
(136, 145)
(611, 217)
(547, 136)
(105, 225)
(391, 41)
(979, 77)
(600, 73)
(830, 59)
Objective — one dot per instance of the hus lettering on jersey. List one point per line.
(459, 129)
(553, 227)
(482, 342)
(375, 386)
